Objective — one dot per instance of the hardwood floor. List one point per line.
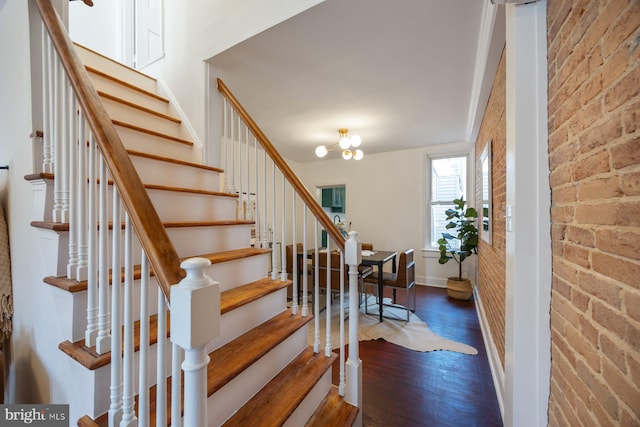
(406, 388)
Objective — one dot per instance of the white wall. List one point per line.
(98, 27)
(198, 30)
(385, 204)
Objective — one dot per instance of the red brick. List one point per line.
(599, 214)
(557, 138)
(601, 135)
(613, 352)
(628, 214)
(602, 188)
(589, 331)
(562, 288)
(617, 268)
(632, 306)
(585, 117)
(580, 235)
(563, 195)
(618, 242)
(616, 323)
(625, 89)
(615, 66)
(627, 392)
(566, 310)
(603, 288)
(599, 390)
(564, 271)
(560, 344)
(576, 255)
(588, 352)
(626, 154)
(634, 368)
(630, 183)
(625, 26)
(560, 176)
(591, 88)
(562, 155)
(563, 215)
(631, 118)
(591, 165)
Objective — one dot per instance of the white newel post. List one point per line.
(195, 320)
(353, 257)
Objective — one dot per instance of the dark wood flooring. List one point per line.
(406, 388)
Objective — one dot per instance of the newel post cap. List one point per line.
(353, 249)
(195, 306)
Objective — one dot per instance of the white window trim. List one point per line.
(456, 149)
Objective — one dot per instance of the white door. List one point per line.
(148, 41)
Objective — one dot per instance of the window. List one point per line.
(448, 181)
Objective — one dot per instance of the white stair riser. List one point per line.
(232, 274)
(157, 172)
(181, 206)
(236, 322)
(307, 407)
(118, 90)
(117, 70)
(224, 403)
(134, 116)
(140, 141)
(201, 240)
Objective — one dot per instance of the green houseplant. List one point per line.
(463, 222)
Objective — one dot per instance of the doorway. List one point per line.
(333, 198)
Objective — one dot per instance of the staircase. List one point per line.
(261, 369)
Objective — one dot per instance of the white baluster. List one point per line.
(103, 340)
(72, 141)
(256, 208)
(176, 386)
(65, 144)
(274, 253)
(195, 320)
(47, 100)
(92, 280)
(239, 208)
(283, 230)
(342, 319)
(353, 257)
(128, 414)
(232, 168)
(161, 379)
(115, 410)
(57, 109)
(327, 346)
(225, 146)
(316, 291)
(305, 275)
(265, 236)
(81, 271)
(247, 203)
(294, 256)
(143, 355)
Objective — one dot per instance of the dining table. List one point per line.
(369, 258)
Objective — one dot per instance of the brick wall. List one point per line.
(491, 257)
(594, 158)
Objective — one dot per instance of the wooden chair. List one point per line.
(367, 246)
(404, 278)
(363, 271)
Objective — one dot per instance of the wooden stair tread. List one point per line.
(334, 411)
(189, 190)
(138, 107)
(230, 360)
(152, 132)
(275, 402)
(91, 360)
(93, 70)
(59, 226)
(229, 300)
(171, 160)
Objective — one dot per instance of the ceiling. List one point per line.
(398, 73)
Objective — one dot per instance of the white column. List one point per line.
(528, 242)
(353, 258)
(195, 320)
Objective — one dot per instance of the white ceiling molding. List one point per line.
(491, 39)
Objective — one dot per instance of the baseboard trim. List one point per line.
(431, 281)
(497, 372)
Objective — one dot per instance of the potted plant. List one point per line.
(463, 222)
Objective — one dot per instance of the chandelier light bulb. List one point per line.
(346, 154)
(321, 151)
(358, 154)
(344, 142)
(355, 140)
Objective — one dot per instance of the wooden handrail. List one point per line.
(146, 222)
(295, 182)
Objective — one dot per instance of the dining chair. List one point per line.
(363, 271)
(404, 279)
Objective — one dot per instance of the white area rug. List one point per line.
(414, 335)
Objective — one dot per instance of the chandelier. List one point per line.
(347, 144)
